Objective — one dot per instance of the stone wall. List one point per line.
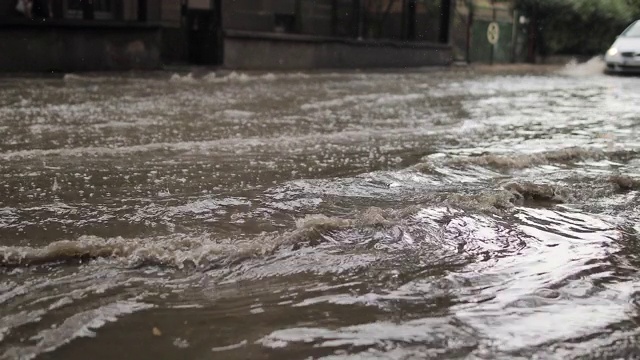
(243, 50)
(64, 47)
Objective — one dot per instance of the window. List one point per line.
(633, 30)
(102, 9)
(284, 23)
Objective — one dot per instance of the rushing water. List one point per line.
(436, 213)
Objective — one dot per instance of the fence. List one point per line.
(476, 25)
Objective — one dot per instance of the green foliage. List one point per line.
(578, 26)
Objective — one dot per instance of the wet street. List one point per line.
(439, 213)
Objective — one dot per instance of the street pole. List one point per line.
(493, 46)
(360, 18)
(469, 23)
(445, 20)
(298, 16)
(514, 36)
(334, 18)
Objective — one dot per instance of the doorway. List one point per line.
(204, 32)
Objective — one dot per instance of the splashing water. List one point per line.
(593, 67)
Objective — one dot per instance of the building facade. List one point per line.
(69, 35)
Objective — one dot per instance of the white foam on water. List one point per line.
(375, 99)
(427, 331)
(239, 345)
(188, 78)
(237, 114)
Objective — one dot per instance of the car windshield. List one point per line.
(633, 30)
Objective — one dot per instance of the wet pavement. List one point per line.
(435, 213)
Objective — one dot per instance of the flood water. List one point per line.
(452, 213)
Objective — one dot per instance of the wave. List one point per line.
(225, 144)
(515, 162)
(204, 251)
(71, 78)
(233, 77)
(183, 251)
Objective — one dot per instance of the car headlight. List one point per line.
(612, 52)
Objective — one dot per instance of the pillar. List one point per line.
(445, 21)
(143, 11)
(334, 17)
(87, 10)
(411, 20)
(57, 9)
(358, 13)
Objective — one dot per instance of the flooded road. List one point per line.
(460, 213)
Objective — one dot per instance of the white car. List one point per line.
(624, 54)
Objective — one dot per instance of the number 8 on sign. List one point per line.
(493, 33)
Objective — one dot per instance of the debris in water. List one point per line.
(156, 332)
(625, 183)
(537, 193)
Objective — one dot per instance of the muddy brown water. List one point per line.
(457, 213)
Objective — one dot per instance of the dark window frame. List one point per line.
(102, 10)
